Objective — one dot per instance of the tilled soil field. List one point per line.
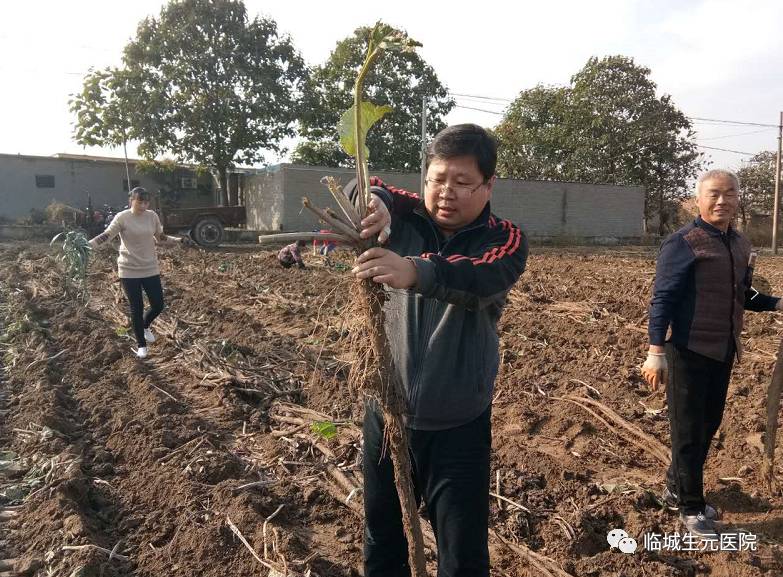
(214, 456)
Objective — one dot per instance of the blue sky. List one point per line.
(718, 59)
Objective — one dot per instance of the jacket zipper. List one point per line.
(733, 294)
(427, 320)
(413, 393)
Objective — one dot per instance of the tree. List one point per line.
(757, 181)
(207, 85)
(104, 110)
(399, 80)
(533, 135)
(608, 126)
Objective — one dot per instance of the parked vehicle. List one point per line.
(205, 225)
(95, 220)
(106, 215)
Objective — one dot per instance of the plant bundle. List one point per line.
(75, 256)
(375, 374)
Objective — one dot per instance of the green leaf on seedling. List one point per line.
(325, 429)
(370, 114)
(75, 255)
(121, 331)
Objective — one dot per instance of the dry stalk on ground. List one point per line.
(770, 436)
(542, 564)
(637, 436)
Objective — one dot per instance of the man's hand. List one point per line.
(378, 221)
(779, 305)
(655, 369)
(386, 267)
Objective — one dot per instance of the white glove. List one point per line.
(655, 369)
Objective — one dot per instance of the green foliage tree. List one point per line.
(399, 80)
(203, 83)
(757, 181)
(607, 126)
(534, 136)
(104, 110)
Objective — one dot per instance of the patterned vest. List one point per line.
(721, 276)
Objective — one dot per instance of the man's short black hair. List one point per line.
(466, 140)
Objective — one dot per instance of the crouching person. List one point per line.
(291, 255)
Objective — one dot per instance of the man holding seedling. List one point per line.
(703, 284)
(448, 265)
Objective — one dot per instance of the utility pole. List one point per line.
(777, 188)
(127, 170)
(423, 144)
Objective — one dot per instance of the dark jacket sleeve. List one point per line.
(759, 302)
(675, 262)
(402, 201)
(398, 201)
(475, 281)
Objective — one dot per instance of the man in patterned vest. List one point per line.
(702, 288)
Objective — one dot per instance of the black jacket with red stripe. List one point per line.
(443, 332)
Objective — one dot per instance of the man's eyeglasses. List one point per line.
(458, 189)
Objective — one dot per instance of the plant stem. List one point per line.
(361, 162)
(388, 390)
(342, 201)
(335, 223)
(385, 383)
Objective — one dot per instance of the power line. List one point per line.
(478, 109)
(733, 122)
(469, 100)
(699, 145)
(480, 97)
(727, 150)
(733, 135)
(711, 120)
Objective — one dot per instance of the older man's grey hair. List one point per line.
(718, 173)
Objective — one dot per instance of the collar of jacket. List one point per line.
(481, 220)
(701, 223)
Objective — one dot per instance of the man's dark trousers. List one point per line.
(451, 473)
(696, 395)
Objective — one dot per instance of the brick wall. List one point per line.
(74, 179)
(264, 200)
(542, 209)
